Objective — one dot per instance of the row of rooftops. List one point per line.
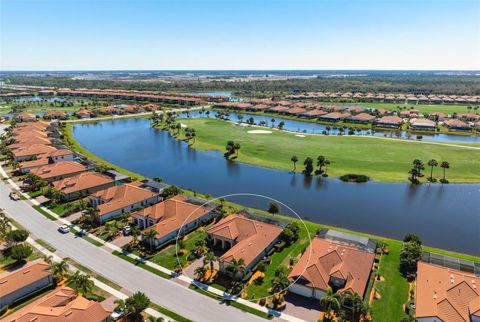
(389, 97)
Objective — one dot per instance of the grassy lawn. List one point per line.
(46, 245)
(167, 257)
(43, 212)
(282, 258)
(142, 265)
(394, 290)
(65, 209)
(169, 313)
(379, 158)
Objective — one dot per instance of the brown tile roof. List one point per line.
(324, 258)
(315, 113)
(30, 273)
(55, 114)
(335, 116)
(26, 115)
(118, 197)
(29, 132)
(394, 120)
(363, 117)
(422, 122)
(34, 149)
(61, 305)
(60, 152)
(19, 140)
(250, 237)
(455, 123)
(446, 293)
(58, 169)
(171, 214)
(34, 163)
(83, 181)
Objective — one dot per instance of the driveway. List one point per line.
(302, 307)
(167, 293)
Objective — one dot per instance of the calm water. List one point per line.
(445, 216)
(312, 128)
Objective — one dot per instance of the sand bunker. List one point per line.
(300, 135)
(259, 132)
(183, 125)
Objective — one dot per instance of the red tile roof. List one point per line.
(83, 181)
(30, 273)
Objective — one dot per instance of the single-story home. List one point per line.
(23, 281)
(55, 115)
(391, 121)
(83, 114)
(314, 113)
(28, 152)
(362, 118)
(455, 124)
(61, 305)
(118, 200)
(245, 238)
(445, 294)
(437, 116)
(83, 184)
(469, 117)
(59, 170)
(333, 117)
(423, 124)
(325, 264)
(25, 117)
(172, 216)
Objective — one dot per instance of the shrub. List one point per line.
(21, 251)
(354, 178)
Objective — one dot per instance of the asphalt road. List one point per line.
(166, 293)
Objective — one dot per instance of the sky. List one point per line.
(236, 35)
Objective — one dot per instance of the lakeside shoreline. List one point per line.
(455, 254)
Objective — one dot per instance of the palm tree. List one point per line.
(444, 165)
(90, 215)
(200, 272)
(308, 163)
(135, 305)
(294, 159)
(200, 247)
(320, 163)
(273, 122)
(149, 236)
(280, 283)
(135, 232)
(81, 283)
(353, 302)
(432, 163)
(237, 267)
(178, 127)
(59, 269)
(236, 147)
(210, 258)
(281, 125)
(330, 302)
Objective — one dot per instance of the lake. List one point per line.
(445, 216)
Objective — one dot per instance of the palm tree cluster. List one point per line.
(232, 147)
(133, 306)
(190, 134)
(348, 306)
(81, 283)
(322, 163)
(208, 262)
(418, 166)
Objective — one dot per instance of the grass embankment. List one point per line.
(379, 158)
(73, 144)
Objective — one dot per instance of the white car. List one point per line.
(127, 230)
(116, 315)
(64, 229)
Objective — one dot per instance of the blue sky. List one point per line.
(249, 34)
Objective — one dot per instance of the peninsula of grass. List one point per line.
(382, 159)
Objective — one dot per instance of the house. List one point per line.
(390, 121)
(437, 116)
(455, 124)
(172, 216)
(469, 117)
(118, 200)
(23, 281)
(55, 115)
(446, 295)
(83, 114)
(25, 117)
(61, 305)
(333, 117)
(362, 118)
(422, 124)
(296, 111)
(326, 263)
(59, 170)
(27, 152)
(314, 113)
(27, 166)
(110, 110)
(82, 184)
(61, 155)
(245, 238)
(18, 141)
(356, 110)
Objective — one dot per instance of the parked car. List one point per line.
(127, 230)
(14, 196)
(64, 229)
(116, 315)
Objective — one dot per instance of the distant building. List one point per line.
(25, 117)
(389, 121)
(82, 184)
(422, 124)
(455, 124)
